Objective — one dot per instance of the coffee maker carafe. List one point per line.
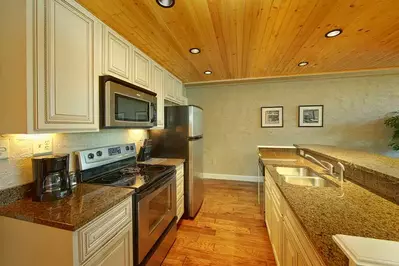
(51, 177)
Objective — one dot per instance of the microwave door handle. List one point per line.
(153, 112)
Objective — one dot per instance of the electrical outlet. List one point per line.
(4, 148)
(42, 146)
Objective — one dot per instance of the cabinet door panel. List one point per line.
(67, 68)
(116, 55)
(117, 252)
(289, 253)
(178, 90)
(276, 229)
(169, 87)
(158, 86)
(142, 69)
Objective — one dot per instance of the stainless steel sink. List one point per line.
(296, 171)
(308, 181)
(303, 176)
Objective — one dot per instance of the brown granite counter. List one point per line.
(368, 161)
(324, 212)
(85, 204)
(164, 161)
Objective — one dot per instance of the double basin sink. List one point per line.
(303, 176)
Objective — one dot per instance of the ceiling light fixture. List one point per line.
(166, 3)
(302, 64)
(208, 72)
(195, 50)
(333, 33)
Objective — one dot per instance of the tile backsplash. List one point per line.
(17, 169)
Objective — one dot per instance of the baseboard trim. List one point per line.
(230, 177)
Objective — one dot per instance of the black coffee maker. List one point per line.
(51, 177)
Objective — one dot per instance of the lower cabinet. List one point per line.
(180, 191)
(117, 252)
(290, 243)
(106, 241)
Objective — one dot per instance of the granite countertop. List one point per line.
(85, 204)
(324, 212)
(164, 161)
(362, 159)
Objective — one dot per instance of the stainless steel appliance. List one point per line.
(51, 177)
(182, 137)
(154, 198)
(124, 105)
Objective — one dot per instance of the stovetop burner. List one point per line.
(154, 168)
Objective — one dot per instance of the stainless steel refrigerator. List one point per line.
(182, 137)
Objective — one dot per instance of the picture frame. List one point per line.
(310, 115)
(272, 117)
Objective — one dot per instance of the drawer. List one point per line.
(97, 233)
(179, 191)
(180, 208)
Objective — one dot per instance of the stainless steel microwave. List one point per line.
(124, 105)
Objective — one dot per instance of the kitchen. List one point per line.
(226, 119)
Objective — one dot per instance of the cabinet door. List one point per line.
(117, 252)
(67, 64)
(158, 86)
(141, 69)
(289, 252)
(178, 91)
(169, 87)
(275, 229)
(116, 53)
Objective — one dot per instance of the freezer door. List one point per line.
(195, 121)
(195, 187)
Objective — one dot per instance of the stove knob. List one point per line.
(131, 148)
(127, 148)
(99, 153)
(90, 156)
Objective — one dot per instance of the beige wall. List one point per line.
(17, 170)
(354, 109)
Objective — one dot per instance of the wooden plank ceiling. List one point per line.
(257, 38)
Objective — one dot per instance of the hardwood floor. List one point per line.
(228, 230)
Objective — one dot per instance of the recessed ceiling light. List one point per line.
(333, 33)
(195, 50)
(208, 72)
(302, 64)
(166, 3)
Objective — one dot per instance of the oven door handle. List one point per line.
(165, 182)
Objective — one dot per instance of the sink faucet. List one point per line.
(325, 165)
(341, 171)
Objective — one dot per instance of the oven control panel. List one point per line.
(105, 155)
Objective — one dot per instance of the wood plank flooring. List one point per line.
(228, 230)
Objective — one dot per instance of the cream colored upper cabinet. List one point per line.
(178, 90)
(116, 55)
(169, 86)
(67, 41)
(51, 78)
(141, 69)
(158, 87)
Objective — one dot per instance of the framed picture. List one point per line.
(272, 116)
(310, 116)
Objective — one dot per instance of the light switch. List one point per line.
(4, 148)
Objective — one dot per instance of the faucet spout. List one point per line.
(319, 163)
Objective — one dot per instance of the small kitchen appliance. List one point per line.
(154, 207)
(124, 105)
(145, 151)
(51, 177)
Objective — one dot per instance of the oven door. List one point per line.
(128, 107)
(156, 209)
